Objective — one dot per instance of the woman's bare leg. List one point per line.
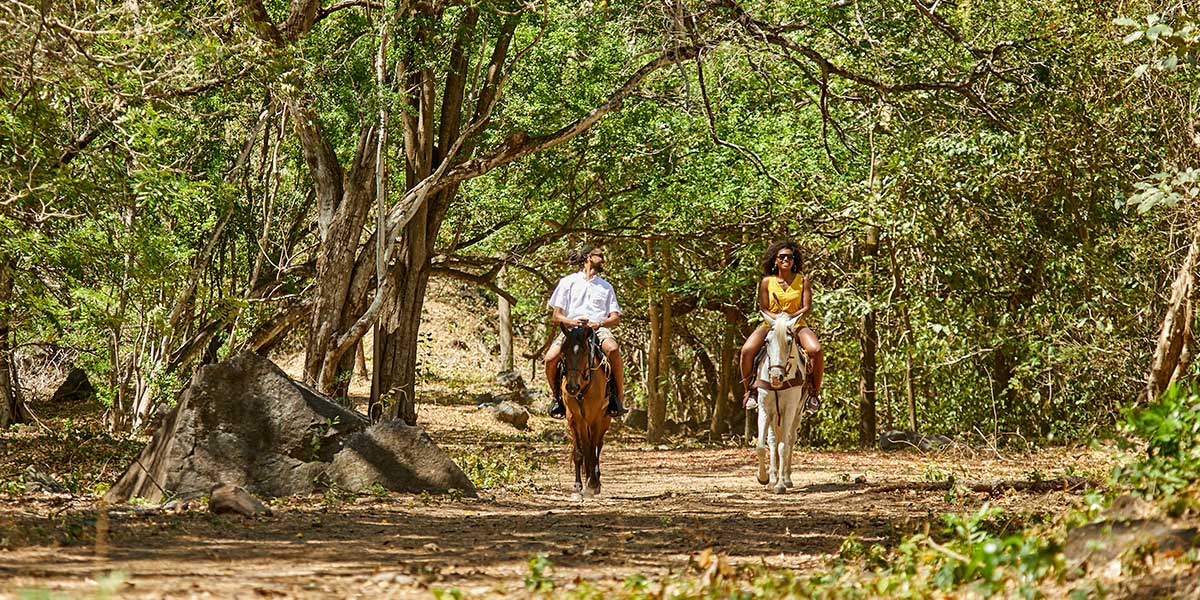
(750, 349)
(812, 347)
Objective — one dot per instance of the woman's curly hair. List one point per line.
(768, 261)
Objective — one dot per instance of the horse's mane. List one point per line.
(577, 335)
(584, 338)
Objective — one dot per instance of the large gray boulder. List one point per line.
(398, 456)
(244, 422)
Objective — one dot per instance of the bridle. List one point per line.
(593, 361)
(784, 369)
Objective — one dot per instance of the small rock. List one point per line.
(511, 381)
(183, 505)
(513, 414)
(231, 498)
(37, 482)
(484, 398)
(1128, 508)
(636, 419)
(1092, 547)
(529, 396)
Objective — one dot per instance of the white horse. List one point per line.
(781, 395)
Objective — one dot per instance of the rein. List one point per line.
(595, 360)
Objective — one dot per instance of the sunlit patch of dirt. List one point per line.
(657, 508)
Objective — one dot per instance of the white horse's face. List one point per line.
(780, 348)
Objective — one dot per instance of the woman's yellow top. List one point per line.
(789, 300)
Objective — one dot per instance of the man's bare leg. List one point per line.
(616, 405)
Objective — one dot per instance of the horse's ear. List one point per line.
(564, 329)
(767, 317)
(792, 321)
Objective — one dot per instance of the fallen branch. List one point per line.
(1063, 484)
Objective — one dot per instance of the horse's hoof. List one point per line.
(779, 489)
(788, 483)
(763, 480)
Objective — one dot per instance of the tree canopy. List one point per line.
(993, 198)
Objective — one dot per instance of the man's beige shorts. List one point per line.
(602, 334)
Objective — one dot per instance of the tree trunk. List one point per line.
(1176, 326)
(665, 355)
(869, 344)
(397, 347)
(343, 212)
(656, 406)
(439, 153)
(11, 404)
(906, 338)
(506, 332)
(712, 385)
(728, 372)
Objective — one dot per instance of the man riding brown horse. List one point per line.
(585, 299)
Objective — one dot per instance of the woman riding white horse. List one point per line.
(784, 291)
(781, 392)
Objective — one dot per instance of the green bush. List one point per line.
(1170, 466)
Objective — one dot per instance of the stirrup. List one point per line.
(750, 400)
(615, 408)
(814, 403)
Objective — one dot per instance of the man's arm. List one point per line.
(560, 318)
(610, 321)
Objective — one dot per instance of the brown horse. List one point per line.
(585, 394)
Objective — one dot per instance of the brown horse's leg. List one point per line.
(598, 445)
(591, 465)
(578, 457)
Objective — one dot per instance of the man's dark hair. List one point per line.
(578, 257)
(768, 261)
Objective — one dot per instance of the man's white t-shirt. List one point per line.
(579, 296)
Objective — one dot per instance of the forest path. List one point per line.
(658, 508)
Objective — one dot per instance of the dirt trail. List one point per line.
(658, 507)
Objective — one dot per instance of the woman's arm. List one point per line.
(806, 298)
(763, 298)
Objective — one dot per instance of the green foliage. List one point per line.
(107, 586)
(537, 579)
(13, 486)
(319, 432)
(493, 468)
(1170, 466)
(335, 496)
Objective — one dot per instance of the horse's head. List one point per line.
(576, 357)
(781, 349)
